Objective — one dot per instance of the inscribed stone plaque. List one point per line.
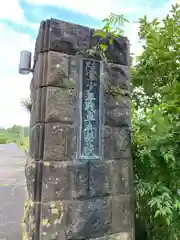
(90, 110)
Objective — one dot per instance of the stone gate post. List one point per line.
(79, 171)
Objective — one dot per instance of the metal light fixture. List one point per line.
(25, 63)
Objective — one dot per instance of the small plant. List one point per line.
(113, 28)
(27, 104)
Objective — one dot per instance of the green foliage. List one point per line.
(16, 130)
(3, 138)
(156, 127)
(156, 123)
(23, 143)
(158, 65)
(157, 169)
(16, 134)
(113, 25)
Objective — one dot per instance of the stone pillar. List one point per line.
(80, 186)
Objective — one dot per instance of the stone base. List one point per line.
(79, 220)
(117, 236)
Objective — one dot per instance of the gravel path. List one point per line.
(12, 191)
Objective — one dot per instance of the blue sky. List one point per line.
(19, 23)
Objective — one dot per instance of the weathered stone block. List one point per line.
(39, 42)
(36, 141)
(61, 36)
(41, 73)
(62, 70)
(57, 70)
(117, 143)
(40, 105)
(50, 102)
(117, 236)
(79, 180)
(29, 226)
(33, 102)
(100, 178)
(55, 233)
(75, 219)
(88, 218)
(32, 90)
(67, 37)
(64, 180)
(52, 220)
(121, 173)
(60, 105)
(31, 173)
(59, 142)
(122, 213)
(37, 70)
(109, 178)
(117, 110)
(116, 52)
(32, 116)
(116, 75)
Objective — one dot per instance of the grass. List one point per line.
(23, 144)
(10, 138)
(3, 138)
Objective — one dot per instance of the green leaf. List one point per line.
(100, 33)
(110, 41)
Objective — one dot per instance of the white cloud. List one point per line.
(12, 10)
(101, 9)
(14, 87)
(94, 8)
